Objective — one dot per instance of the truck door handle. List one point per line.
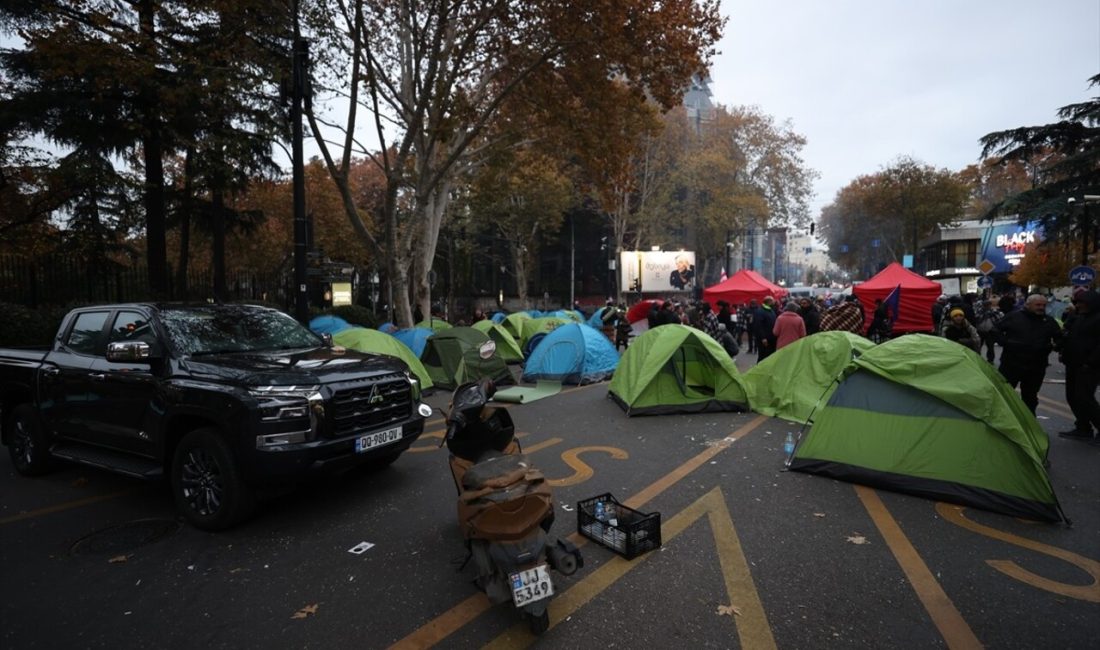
(97, 376)
(51, 371)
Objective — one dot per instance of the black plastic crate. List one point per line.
(629, 532)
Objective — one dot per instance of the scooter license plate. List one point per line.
(530, 585)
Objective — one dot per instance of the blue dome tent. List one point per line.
(498, 317)
(573, 354)
(416, 338)
(387, 328)
(328, 324)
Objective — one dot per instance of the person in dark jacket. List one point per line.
(1027, 337)
(1081, 356)
(810, 315)
(763, 321)
(938, 308)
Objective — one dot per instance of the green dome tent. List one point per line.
(461, 354)
(506, 345)
(513, 324)
(792, 381)
(927, 416)
(367, 340)
(676, 369)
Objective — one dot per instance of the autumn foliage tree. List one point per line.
(433, 76)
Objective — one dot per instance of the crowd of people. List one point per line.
(1023, 330)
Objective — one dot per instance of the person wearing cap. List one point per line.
(1081, 356)
(1027, 337)
(956, 328)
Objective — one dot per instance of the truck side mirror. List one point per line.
(129, 351)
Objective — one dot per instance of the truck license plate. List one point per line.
(365, 443)
(530, 585)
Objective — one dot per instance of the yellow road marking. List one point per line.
(581, 470)
(1089, 593)
(752, 623)
(458, 616)
(947, 619)
(61, 507)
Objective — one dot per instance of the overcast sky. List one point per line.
(867, 81)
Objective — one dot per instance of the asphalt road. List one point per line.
(752, 556)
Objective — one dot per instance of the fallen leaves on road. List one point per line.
(728, 610)
(857, 539)
(305, 612)
(118, 559)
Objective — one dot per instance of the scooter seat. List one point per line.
(496, 472)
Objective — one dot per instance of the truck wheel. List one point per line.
(28, 447)
(207, 484)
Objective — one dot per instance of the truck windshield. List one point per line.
(224, 329)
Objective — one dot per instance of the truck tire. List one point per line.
(207, 484)
(29, 449)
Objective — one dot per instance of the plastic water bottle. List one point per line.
(601, 514)
(788, 447)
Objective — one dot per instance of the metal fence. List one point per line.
(64, 280)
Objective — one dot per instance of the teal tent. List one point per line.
(460, 354)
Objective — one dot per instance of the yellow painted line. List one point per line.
(947, 619)
(751, 623)
(1089, 592)
(458, 616)
(549, 442)
(581, 470)
(670, 479)
(61, 507)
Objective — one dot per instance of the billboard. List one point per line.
(1004, 244)
(657, 271)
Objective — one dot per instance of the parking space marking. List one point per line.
(1089, 593)
(61, 507)
(581, 470)
(751, 622)
(458, 616)
(946, 617)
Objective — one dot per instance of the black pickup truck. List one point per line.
(223, 399)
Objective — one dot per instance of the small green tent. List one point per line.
(793, 380)
(365, 340)
(927, 416)
(434, 324)
(676, 369)
(461, 354)
(506, 345)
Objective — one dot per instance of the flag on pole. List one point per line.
(723, 278)
(893, 305)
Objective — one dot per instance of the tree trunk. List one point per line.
(519, 261)
(155, 222)
(431, 211)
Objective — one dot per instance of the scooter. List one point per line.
(505, 508)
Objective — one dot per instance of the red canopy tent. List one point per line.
(916, 296)
(742, 287)
(640, 311)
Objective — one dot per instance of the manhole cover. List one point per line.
(124, 537)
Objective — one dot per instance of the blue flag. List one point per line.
(893, 305)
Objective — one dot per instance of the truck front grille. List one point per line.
(371, 404)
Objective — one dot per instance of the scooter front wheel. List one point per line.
(538, 623)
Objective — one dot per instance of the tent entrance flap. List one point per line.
(694, 372)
